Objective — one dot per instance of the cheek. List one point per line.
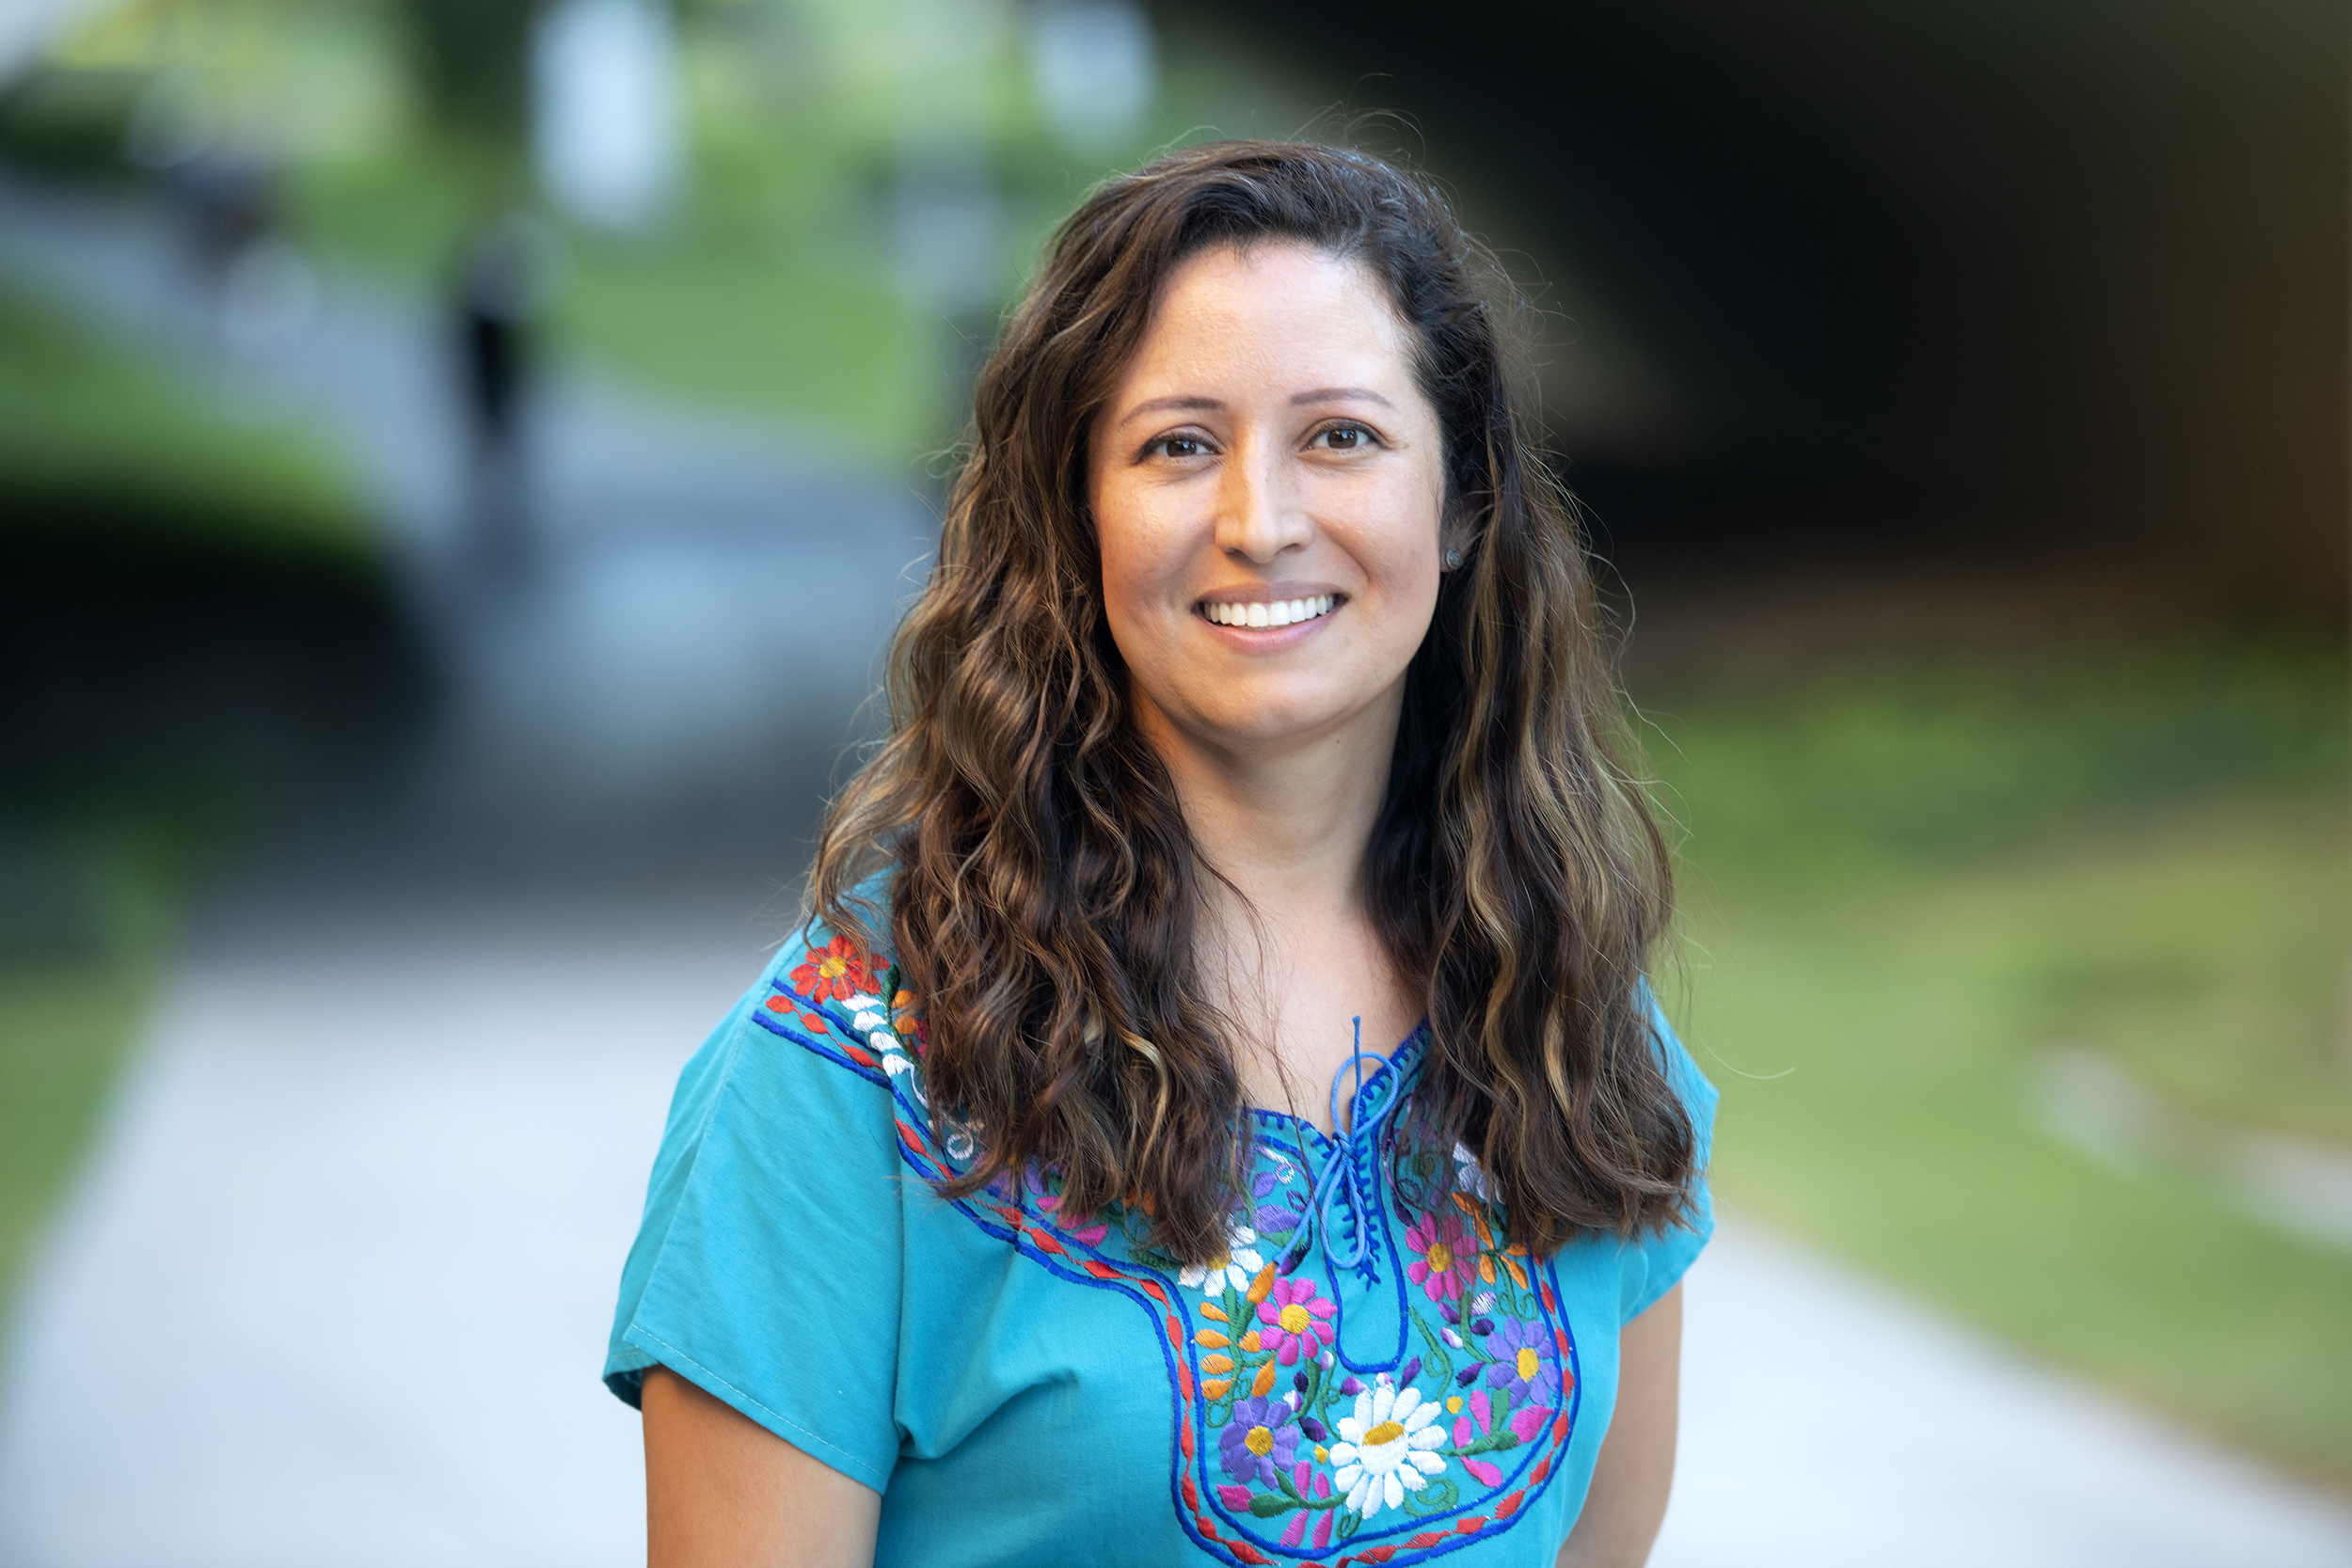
(1406, 555)
(1138, 551)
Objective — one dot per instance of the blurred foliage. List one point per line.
(1903, 887)
(144, 84)
(470, 58)
(1829, 777)
(781, 282)
(92, 426)
(71, 121)
(192, 624)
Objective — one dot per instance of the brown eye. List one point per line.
(1344, 437)
(1177, 446)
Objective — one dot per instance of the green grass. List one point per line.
(63, 1031)
(726, 326)
(83, 419)
(1901, 888)
(776, 306)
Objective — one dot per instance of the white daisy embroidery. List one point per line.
(1471, 1177)
(1386, 1448)
(1237, 1266)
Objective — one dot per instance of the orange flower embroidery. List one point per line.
(835, 972)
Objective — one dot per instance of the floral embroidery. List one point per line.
(1296, 1435)
(1443, 1267)
(1295, 1321)
(1387, 1447)
(1471, 1177)
(1237, 1266)
(1521, 1364)
(1259, 1442)
(836, 971)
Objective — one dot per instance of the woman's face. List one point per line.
(1268, 484)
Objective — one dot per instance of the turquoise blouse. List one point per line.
(1373, 1372)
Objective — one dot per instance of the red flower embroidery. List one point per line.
(835, 972)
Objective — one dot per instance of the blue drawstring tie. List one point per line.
(1340, 1183)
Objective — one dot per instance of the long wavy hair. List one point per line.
(1045, 892)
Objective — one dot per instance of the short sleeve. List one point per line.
(767, 1267)
(1655, 1263)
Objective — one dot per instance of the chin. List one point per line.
(1273, 718)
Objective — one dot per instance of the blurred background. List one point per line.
(459, 459)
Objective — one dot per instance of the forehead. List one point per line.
(1279, 310)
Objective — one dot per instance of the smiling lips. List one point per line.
(1281, 612)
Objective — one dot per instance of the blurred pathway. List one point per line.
(1829, 1422)
(333, 1289)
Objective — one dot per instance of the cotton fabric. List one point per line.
(1379, 1376)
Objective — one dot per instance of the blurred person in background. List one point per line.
(1255, 708)
(492, 307)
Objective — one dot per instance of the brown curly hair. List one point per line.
(1044, 890)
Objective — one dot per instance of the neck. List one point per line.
(1288, 824)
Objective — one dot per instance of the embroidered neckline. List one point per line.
(1396, 1459)
(1406, 1057)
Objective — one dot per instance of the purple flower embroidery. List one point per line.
(1522, 1364)
(1294, 1320)
(1259, 1443)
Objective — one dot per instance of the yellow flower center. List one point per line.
(1528, 1364)
(1440, 1256)
(1454, 1406)
(1387, 1431)
(832, 969)
(1295, 1319)
(1323, 1455)
(1260, 1441)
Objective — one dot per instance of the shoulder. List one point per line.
(840, 997)
(1652, 1263)
(814, 1070)
(786, 1150)
(1697, 1094)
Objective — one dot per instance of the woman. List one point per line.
(1253, 720)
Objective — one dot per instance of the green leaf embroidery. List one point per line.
(1439, 1364)
(1435, 1497)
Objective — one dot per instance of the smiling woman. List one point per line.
(1254, 705)
(1267, 447)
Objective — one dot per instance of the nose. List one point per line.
(1258, 514)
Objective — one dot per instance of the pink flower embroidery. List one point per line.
(1446, 1255)
(1295, 1321)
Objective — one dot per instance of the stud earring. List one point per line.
(1453, 558)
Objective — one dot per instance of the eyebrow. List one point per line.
(1196, 405)
(1164, 405)
(1341, 394)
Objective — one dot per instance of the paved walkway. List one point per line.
(1831, 1423)
(333, 1288)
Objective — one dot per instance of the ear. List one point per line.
(1458, 536)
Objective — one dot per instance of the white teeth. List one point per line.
(1281, 612)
